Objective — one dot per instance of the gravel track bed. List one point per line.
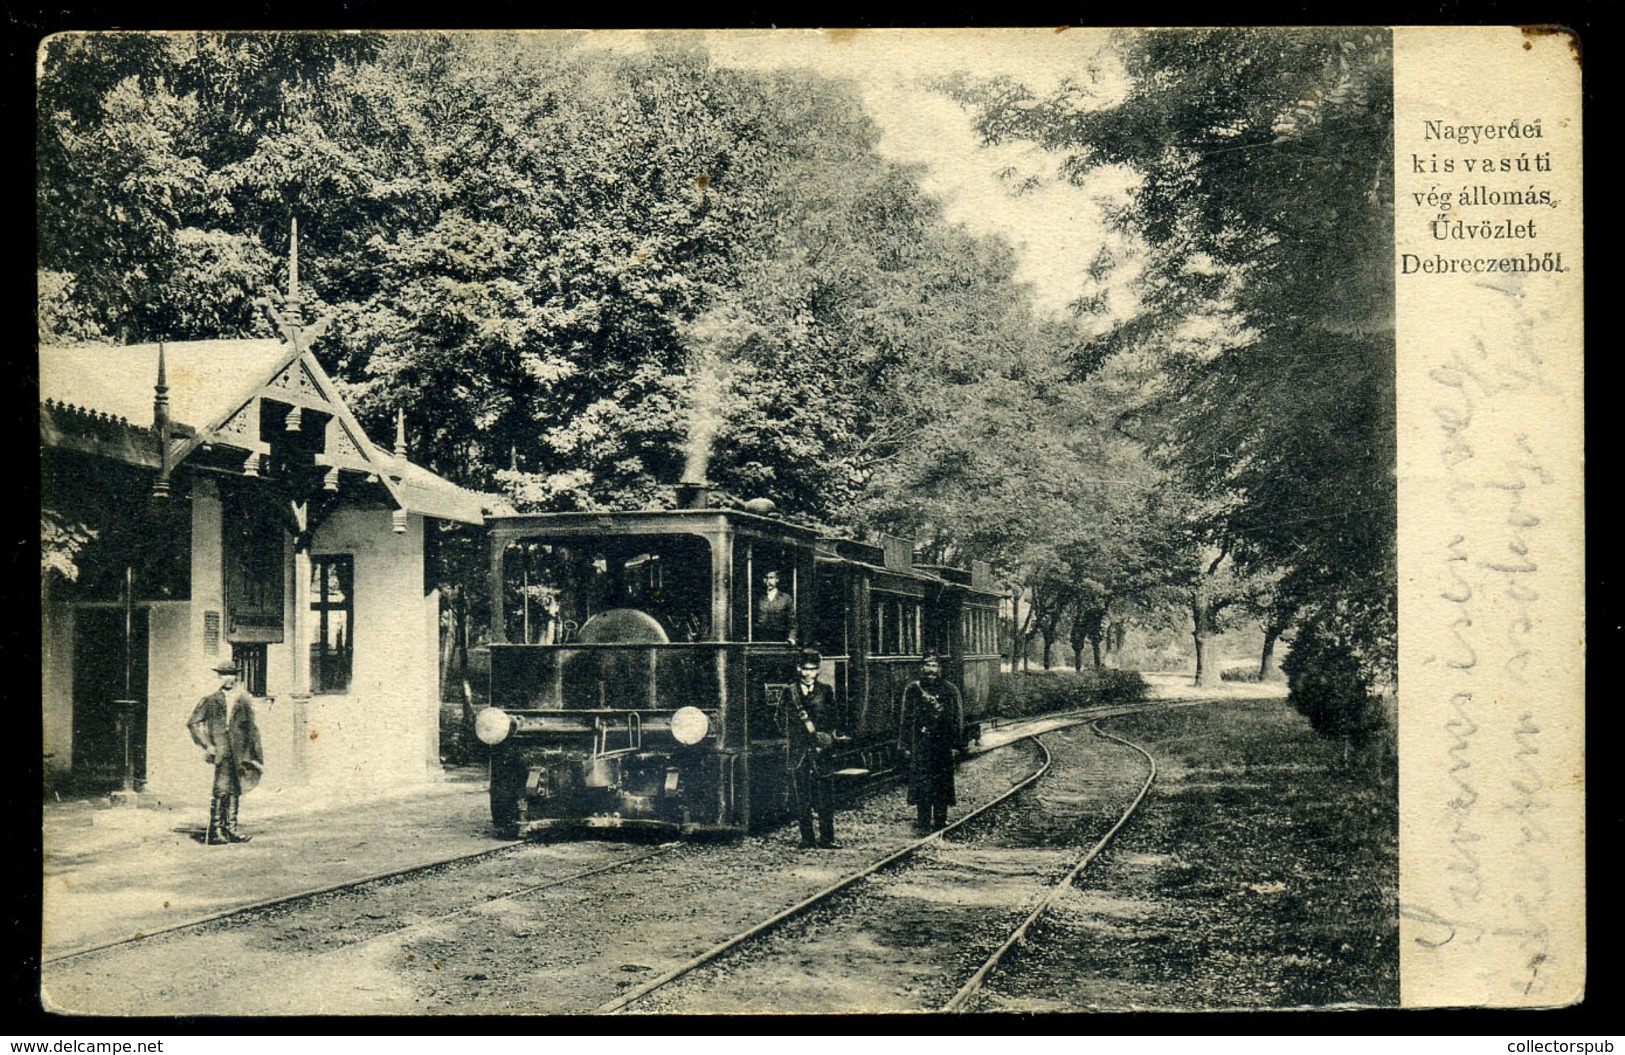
(907, 938)
(391, 948)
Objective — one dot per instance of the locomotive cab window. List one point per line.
(829, 613)
(558, 591)
(770, 610)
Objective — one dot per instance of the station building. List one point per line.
(206, 500)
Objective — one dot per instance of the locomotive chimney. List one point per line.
(693, 494)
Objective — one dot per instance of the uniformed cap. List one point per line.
(810, 658)
(931, 657)
(226, 666)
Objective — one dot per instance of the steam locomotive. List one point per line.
(636, 659)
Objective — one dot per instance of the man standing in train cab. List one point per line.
(932, 715)
(775, 612)
(813, 726)
(223, 725)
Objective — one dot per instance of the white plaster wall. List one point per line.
(174, 764)
(56, 684)
(376, 734)
(181, 669)
(431, 699)
(385, 730)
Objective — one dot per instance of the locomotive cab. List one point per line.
(631, 668)
(637, 661)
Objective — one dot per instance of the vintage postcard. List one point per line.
(806, 522)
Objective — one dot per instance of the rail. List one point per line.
(1092, 715)
(1019, 935)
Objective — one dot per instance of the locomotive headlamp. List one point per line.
(492, 725)
(689, 725)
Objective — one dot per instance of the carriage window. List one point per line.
(894, 627)
(829, 630)
(332, 654)
(554, 589)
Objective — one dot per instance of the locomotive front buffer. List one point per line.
(654, 770)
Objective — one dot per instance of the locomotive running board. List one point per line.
(628, 824)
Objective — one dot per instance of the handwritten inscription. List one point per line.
(1488, 581)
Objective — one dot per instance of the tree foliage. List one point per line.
(1265, 198)
(562, 265)
(586, 274)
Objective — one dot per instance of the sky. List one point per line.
(1056, 228)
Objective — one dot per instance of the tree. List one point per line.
(561, 265)
(1265, 199)
(145, 214)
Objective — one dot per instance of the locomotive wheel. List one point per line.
(507, 785)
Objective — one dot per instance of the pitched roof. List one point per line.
(204, 377)
(424, 492)
(208, 380)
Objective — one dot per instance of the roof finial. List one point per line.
(400, 433)
(290, 318)
(160, 394)
(160, 425)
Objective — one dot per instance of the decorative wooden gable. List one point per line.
(240, 407)
(296, 412)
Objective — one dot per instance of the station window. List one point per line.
(332, 598)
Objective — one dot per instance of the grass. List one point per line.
(1261, 872)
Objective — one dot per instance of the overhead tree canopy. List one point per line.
(561, 264)
(585, 275)
(1265, 197)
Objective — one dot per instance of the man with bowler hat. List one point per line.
(223, 725)
(932, 714)
(813, 725)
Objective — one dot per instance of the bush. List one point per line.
(1326, 684)
(1239, 674)
(1025, 695)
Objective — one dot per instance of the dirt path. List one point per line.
(1259, 874)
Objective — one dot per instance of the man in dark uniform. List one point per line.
(223, 725)
(775, 612)
(813, 725)
(932, 714)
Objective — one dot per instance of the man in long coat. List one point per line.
(223, 725)
(932, 716)
(813, 724)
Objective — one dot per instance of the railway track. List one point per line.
(961, 1000)
(288, 901)
(384, 919)
(967, 992)
(294, 900)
